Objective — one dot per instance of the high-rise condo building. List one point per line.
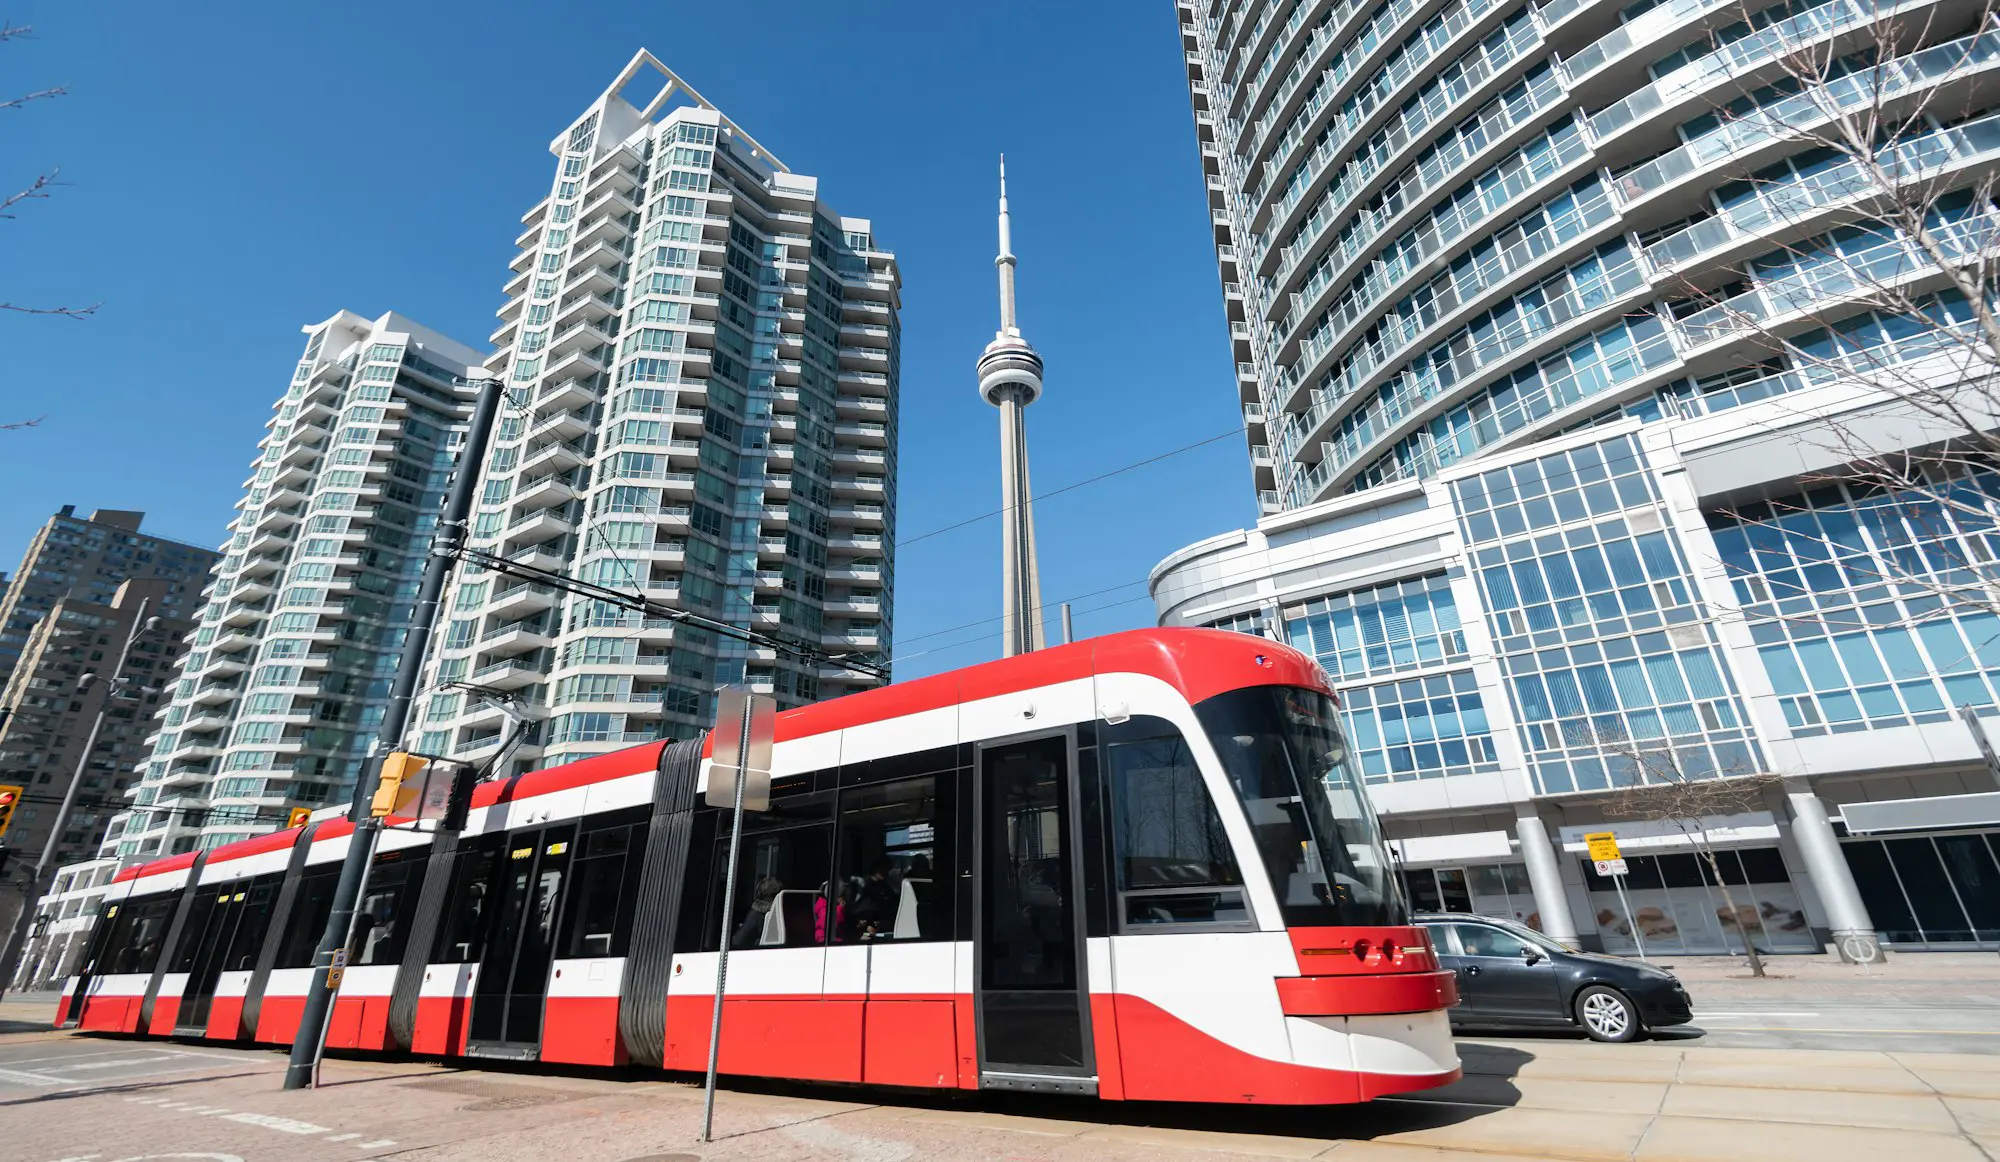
(701, 358)
(89, 558)
(67, 674)
(1574, 342)
(288, 669)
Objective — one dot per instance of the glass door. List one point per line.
(526, 894)
(1030, 993)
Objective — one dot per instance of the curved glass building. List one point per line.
(1557, 330)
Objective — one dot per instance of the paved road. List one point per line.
(1951, 1026)
(89, 1099)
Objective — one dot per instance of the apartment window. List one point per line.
(462, 633)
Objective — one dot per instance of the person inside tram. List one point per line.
(875, 903)
(838, 890)
(750, 933)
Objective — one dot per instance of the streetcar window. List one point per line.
(462, 934)
(307, 922)
(1316, 834)
(382, 919)
(1174, 863)
(605, 884)
(135, 944)
(786, 894)
(258, 897)
(895, 852)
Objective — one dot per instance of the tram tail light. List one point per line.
(1357, 951)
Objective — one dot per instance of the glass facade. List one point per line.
(1867, 605)
(1385, 630)
(1421, 727)
(1598, 624)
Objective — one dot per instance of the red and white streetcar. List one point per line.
(1140, 867)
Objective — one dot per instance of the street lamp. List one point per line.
(118, 686)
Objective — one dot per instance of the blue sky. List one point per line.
(235, 170)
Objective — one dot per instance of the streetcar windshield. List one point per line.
(1287, 759)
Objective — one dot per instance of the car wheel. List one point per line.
(1607, 1014)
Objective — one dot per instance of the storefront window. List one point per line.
(1496, 890)
(1675, 904)
(1930, 890)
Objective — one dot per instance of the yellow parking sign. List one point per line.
(1603, 845)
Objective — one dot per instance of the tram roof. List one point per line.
(1199, 663)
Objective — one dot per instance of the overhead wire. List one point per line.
(902, 544)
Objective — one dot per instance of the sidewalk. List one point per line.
(1961, 977)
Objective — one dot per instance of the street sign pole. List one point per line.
(1611, 865)
(754, 727)
(1618, 881)
(722, 958)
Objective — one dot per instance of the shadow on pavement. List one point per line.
(124, 1088)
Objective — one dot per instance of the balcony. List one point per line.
(538, 557)
(560, 424)
(520, 601)
(571, 392)
(540, 525)
(234, 637)
(577, 364)
(515, 638)
(549, 456)
(548, 490)
(508, 674)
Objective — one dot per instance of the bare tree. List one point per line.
(1880, 272)
(1651, 783)
(39, 188)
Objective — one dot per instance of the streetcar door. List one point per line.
(211, 926)
(513, 983)
(1030, 992)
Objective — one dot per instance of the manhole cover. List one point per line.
(492, 1096)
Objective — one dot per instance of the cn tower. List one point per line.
(1010, 378)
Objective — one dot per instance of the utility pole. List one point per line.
(45, 867)
(445, 548)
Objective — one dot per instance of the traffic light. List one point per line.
(10, 798)
(299, 817)
(398, 768)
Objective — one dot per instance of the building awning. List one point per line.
(1937, 813)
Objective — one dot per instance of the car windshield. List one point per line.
(1316, 833)
(1533, 938)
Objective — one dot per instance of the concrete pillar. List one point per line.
(1853, 933)
(1545, 876)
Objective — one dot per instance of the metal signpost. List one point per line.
(739, 777)
(1611, 865)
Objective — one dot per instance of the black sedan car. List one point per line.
(1514, 976)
